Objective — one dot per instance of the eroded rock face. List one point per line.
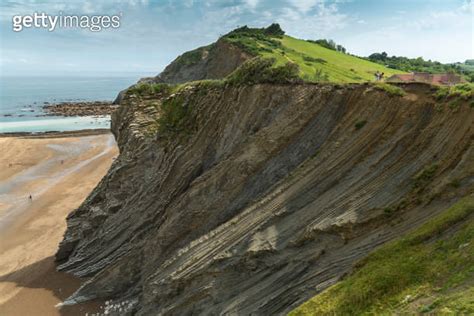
(215, 61)
(273, 196)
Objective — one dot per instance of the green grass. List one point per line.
(315, 62)
(411, 275)
(262, 70)
(464, 91)
(390, 89)
(143, 89)
(175, 117)
(193, 56)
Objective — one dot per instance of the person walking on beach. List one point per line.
(31, 198)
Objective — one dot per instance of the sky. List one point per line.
(153, 33)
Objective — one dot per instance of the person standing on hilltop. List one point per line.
(377, 75)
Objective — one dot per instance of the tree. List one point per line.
(274, 29)
(341, 49)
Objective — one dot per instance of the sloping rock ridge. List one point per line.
(214, 61)
(270, 195)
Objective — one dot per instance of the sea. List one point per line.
(22, 99)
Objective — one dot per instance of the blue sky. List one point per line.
(153, 33)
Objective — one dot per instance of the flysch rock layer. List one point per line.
(272, 197)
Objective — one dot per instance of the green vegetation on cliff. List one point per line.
(390, 89)
(316, 63)
(463, 90)
(263, 70)
(429, 270)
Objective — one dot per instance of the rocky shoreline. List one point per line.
(84, 108)
(58, 134)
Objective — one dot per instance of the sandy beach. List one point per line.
(58, 171)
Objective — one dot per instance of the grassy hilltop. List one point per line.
(316, 63)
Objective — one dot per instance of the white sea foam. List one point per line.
(56, 124)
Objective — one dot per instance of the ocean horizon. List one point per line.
(22, 99)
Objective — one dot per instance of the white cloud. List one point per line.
(445, 36)
(252, 4)
(320, 22)
(304, 6)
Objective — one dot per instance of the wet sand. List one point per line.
(58, 172)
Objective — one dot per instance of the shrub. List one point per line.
(274, 29)
(424, 177)
(318, 76)
(388, 211)
(360, 124)
(314, 60)
(262, 70)
(462, 90)
(441, 92)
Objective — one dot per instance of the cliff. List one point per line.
(209, 62)
(214, 61)
(251, 199)
(315, 62)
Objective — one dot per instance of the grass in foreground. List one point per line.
(419, 273)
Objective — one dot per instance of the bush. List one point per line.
(360, 124)
(262, 70)
(441, 93)
(274, 29)
(313, 60)
(318, 76)
(462, 90)
(424, 177)
(252, 41)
